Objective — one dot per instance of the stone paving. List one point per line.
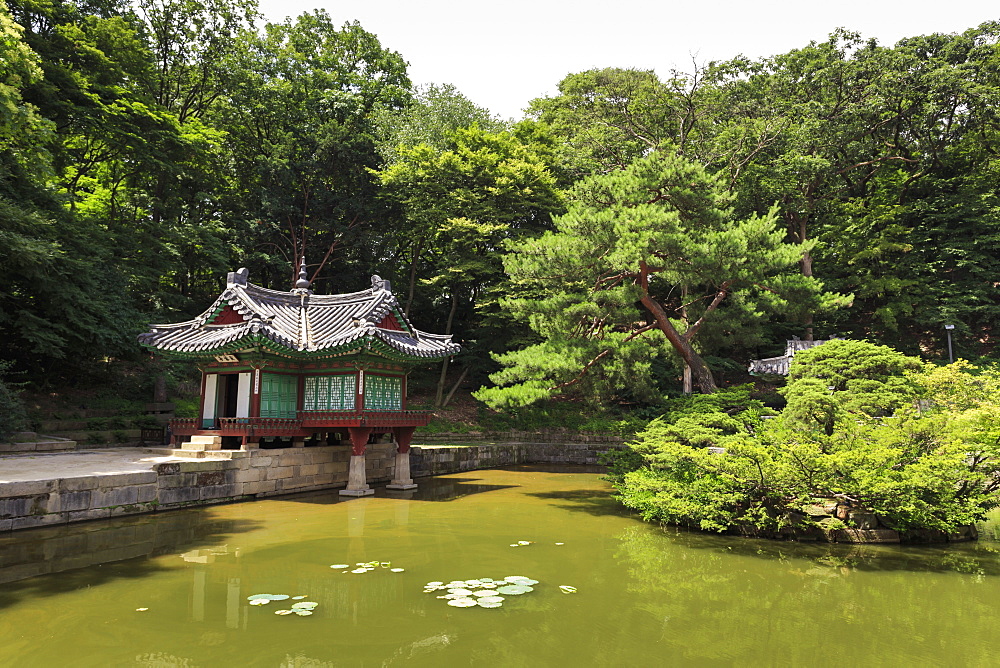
(78, 463)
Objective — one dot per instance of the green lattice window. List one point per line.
(383, 393)
(330, 393)
(278, 395)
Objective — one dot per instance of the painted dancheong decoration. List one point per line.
(298, 366)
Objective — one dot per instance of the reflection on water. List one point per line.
(646, 595)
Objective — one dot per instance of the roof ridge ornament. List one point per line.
(379, 284)
(303, 283)
(238, 277)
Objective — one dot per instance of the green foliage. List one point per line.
(845, 380)
(13, 416)
(936, 467)
(647, 255)
(185, 407)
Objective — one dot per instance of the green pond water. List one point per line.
(646, 596)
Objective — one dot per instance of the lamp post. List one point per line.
(948, 328)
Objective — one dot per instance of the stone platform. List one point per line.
(45, 489)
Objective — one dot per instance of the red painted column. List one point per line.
(404, 436)
(359, 439)
(255, 392)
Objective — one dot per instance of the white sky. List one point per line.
(501, 55)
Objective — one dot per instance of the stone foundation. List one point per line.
(246, 475)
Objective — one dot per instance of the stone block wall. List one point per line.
(426, 460)
(250, 475)
(246, 475)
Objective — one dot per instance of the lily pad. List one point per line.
(524, 542)
(396, 570)
(304, 605)
(488, 585)
(490, 599)
(483, 604)
(462, 602)
(522, 581)
(260, 601)
(515, 589)
(434, 584)
(258, 597)
(484, 592)
(299, 597)
(340, 565)
(303, 613)
(566, 589)
(282, 612)
(360, 570)
(464, 592)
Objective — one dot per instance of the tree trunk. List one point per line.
(806, 263)
(439, 396)
(417, 246)
(454, 388)
(702, 375)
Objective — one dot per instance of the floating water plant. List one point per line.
(302, 608)
(481, 592)
(462, 602)
(515, 589)
(566, 589)
(340, 565)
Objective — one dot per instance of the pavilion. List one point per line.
(295, 366)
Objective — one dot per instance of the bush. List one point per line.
(918, 446)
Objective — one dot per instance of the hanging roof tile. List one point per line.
(300, 324)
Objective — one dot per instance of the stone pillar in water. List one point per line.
(357, 480)
(402, 479)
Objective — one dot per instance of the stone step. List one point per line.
(206, 439)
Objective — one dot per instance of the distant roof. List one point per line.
(778, 366)
(300, 324)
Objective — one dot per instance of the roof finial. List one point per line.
(303, 282)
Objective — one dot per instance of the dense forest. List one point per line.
(628, 227)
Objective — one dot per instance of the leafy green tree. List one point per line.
(435, 115)
(461, 205)
(643, 254)
(300, 113)
(846, 380)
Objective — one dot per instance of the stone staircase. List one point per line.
(201, 447)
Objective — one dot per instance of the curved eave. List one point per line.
(366, 342)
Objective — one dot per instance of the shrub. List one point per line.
(932, 463)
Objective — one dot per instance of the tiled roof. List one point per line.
(299, 322)
(778, 366)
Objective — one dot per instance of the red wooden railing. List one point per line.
(304, 422)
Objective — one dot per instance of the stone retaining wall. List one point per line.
(428, 460)
(250, 475)
(243, 476)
